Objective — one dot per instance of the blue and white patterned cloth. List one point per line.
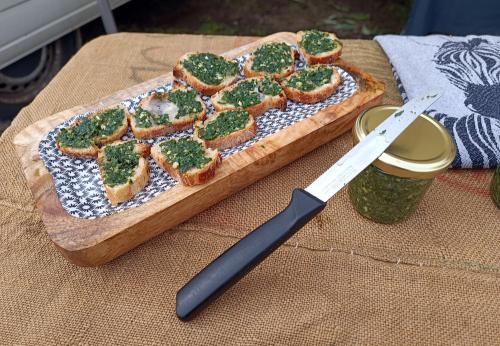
(467, 70)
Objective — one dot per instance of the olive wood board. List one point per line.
(92, 242)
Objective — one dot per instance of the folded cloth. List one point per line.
(467, 71)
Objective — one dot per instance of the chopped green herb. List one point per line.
(226, 122)
(382, 132)
(245, 94)
(186, 102)
(210, 68)
(120, 162)
(272, 58)
(269, 87)
(316, 42)
(103, 124)
(185, 153)
(310, 78)
(398, 114)
(248, 92)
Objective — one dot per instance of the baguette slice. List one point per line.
(159, 102)
(249, 72)
(139, 179)
(267, 101)
(193, 176)
(206, 89)
(321, 58)
(312, 96)
(96, 138)
(231, 139)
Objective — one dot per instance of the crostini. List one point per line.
(187, 160)
(124, 170)
(256, 95)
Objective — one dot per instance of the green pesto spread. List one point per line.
(495, 187)
(87, 131)
(310, 78)
(269, 87)
(120, 162)
(145, 119)
(210, 68)
(226, 122)
(386, 198)
(316, 42)
(248, 92)
(185, 152)
(186, 103)
(272, 58)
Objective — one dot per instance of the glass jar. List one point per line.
(391, 188)
(495, 187)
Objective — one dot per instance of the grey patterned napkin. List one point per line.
(467, 70)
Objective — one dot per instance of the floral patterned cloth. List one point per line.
(467, 71)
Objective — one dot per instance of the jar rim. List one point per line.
(424, 150)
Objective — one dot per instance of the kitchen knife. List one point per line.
(243, 256)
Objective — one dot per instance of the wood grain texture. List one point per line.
(94, 242)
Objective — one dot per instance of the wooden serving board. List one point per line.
(87, 242)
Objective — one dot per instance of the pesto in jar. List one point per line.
(226, 122)
(310, 78)
(82, 135)
(210, 68)
(185, 154)
(249, 92)
(495, 187)
(185, 101)
(316, 42)
(120, 162)
(272, 58)
(386, 198)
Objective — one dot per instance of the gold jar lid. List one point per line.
(422, 151)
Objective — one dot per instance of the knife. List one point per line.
(247, 253)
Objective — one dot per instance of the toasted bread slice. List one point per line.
(82, 138)
(226, 129)
(274, 59)
(316, 94)
(182, 171)
(205, 76)
(245, 93)
(166, 106)
(117, 190)
(312, 39)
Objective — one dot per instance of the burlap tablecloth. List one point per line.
(342, 279)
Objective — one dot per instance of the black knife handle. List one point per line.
(243, 256)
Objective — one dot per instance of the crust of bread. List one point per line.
(315, 95)
(322, 58)
(124, 192)
(206, 89)
(88, 152)
(162, 130)
(249, 73)
(93, 150)
(195, 176)
(230, 140)
(278, 101)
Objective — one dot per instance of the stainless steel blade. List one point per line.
(370, 148)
